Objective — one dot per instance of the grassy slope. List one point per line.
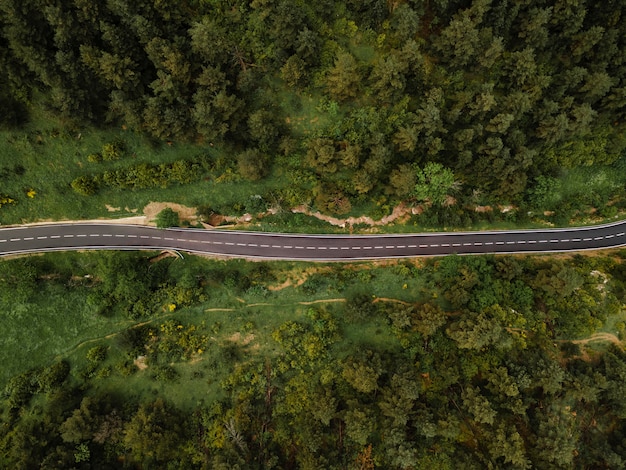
(57, 323)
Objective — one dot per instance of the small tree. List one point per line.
(434, 182)
(252, 164)
(167, 218)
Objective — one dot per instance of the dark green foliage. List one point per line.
(500, 95)
(167, 218)
(478, 365)
(252, 164)
(144, 175)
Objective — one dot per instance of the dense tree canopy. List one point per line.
(501, 93)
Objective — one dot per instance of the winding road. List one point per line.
(91, 236)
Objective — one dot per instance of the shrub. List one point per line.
(113, 150)
(97, 354)
(84, 185)
(167, 218)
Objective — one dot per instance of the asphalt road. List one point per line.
(81, 236)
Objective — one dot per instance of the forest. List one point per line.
(449, 363)
(350, 101)
(128, 360)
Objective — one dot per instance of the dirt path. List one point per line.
(399, 212)
(387, 299)
(609, 337)
(321, 301)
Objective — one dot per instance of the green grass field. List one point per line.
(57, 322)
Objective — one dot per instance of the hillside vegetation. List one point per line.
(345, 102)
(460, 362)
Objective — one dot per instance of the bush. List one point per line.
(167, 218)
(97, 354)
(113, 151)
(165, 373)
(126, 368)
(252, 164)
(84, 185)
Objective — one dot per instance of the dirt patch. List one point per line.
(400, 213)
(387, 299)
(587, 354)
(321, 301)
(140, 362)
(609, 337)
(162, 255)
(111, 208)
(186, 214)
(243, 340)
(295, 279)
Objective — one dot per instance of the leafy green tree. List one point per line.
(359, 424)
(475, 332)
(343, 79)
(459, 40)
(434, 183)
(252, 164)
(402, 180)
(154, 434)
(322, 155)
(429, 318)
(293, 72)
(478, 405)
(263, 128)
(362, 375)
(387, 77)
(509, 447)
